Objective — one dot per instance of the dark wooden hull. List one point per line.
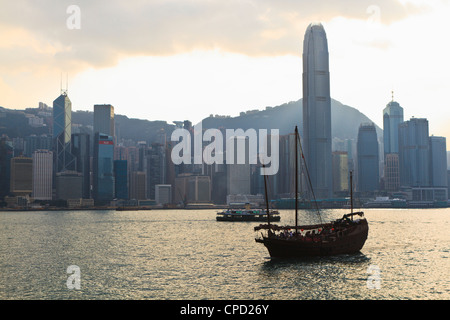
(351, 242)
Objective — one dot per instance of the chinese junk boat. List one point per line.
(343, 236)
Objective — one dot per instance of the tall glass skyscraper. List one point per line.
(104, 119)
(121, 179)
(392, 117)
(317, 110)
(81, 152)
(414, 149)
(62, 129)
(103, 168)
(368, 159)
(438, 161)
(42, 170)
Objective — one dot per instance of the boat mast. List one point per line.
(296, 180)
(351, 192)
(267, 198)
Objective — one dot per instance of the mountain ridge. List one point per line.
(345, 121)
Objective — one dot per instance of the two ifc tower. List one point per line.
(317, 110)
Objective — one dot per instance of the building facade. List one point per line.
(103, 168)
(81, 151)
(438, 161)
(414, 153)
(104, 119)
(42, 175)
(368, 159)
(340, 172)
(62, 131)
(121, 179)
(21, 176)
(392, 117)
(317, 110)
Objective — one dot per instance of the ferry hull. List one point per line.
(246, 218)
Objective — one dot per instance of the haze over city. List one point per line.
(176, 60)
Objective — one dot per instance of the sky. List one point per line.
(177, 60)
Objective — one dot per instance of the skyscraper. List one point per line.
(438, 161)
(103, 170)
(238, 175)
(368, 158)
(21, 176)
(317, 110)
(62, 129)
(42, 174)
(340, 172)
(414, 148)
(104, 119)
(121, 179)
(6, 154)
(392, 117)
(81, 152)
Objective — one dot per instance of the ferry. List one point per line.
(247, 214)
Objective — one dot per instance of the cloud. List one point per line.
(112, 29)
(37, 45)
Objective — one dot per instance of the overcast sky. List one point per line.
(185, 59)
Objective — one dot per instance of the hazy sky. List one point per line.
(186, 59)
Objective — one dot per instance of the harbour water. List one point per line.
(187, 254)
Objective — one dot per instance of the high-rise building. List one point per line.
(391, 172)
(6, 154)
(180, 193)
(42, 175)
(104, 119)
(121, 179)
(163, 194)
(155, 158)
(138, 185)
(199, 189)
(34, 142)
(448, 184)
(103, 168)
(340, 172)
(392, 117)
(81, 151)
(438, 161)
(238, 175)
(317, 110)
(368, 159)
(62, 130)
(68, 185)
(21, 176)
(414, 157)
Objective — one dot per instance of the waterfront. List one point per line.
(187, 254)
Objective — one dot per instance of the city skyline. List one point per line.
(198, 58)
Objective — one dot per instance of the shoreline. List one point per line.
(201, 207)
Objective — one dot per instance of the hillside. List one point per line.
(345, 122)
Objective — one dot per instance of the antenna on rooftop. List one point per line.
(64, 92)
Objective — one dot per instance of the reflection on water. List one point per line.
(187, 254)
